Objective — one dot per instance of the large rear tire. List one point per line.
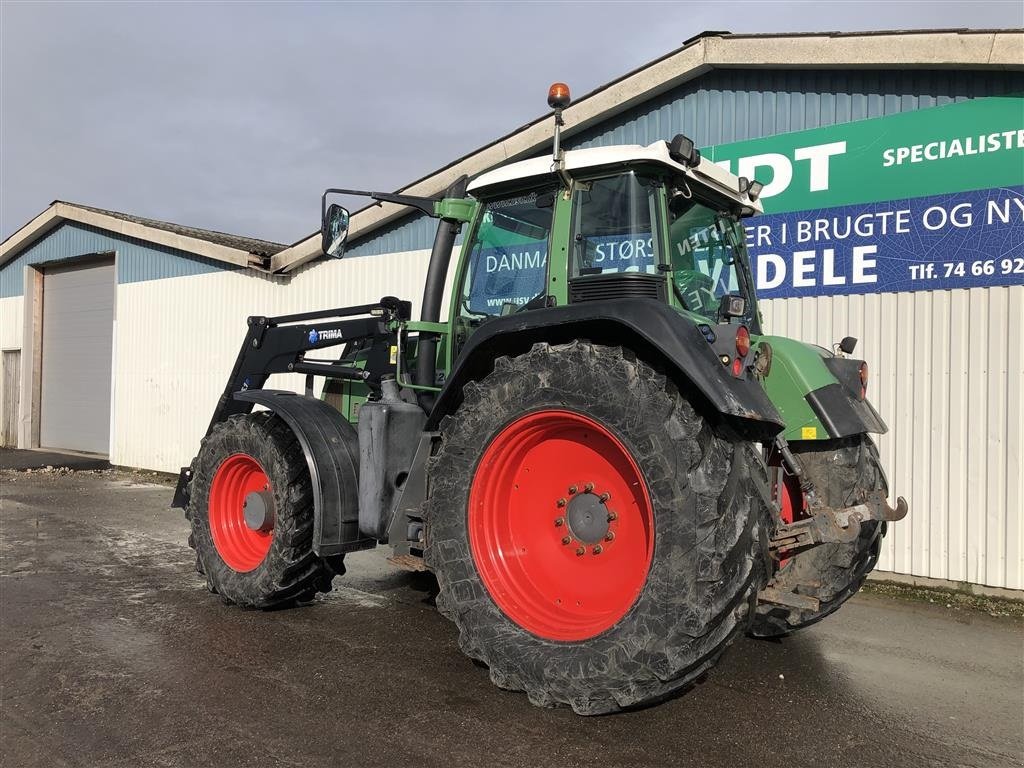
(256, 460)
(595, 540)
(842, 472)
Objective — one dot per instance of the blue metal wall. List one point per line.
(724, 106)
(136, 259)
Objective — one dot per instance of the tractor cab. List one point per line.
(595, 225)
(606, 223)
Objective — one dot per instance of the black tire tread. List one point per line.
(841, 471)
(672, 646)
(292, 572)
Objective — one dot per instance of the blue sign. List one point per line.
(960, 240)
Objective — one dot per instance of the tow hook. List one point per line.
(829, 526)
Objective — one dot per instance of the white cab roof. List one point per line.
(706, 173)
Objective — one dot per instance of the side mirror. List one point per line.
(848, 344)
(334, 231)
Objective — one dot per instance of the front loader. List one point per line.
(608, 466)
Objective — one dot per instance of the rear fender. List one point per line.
(653, 330)
(817, 393)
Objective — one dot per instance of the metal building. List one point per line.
(110, 322)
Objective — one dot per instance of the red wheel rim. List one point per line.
(561, 526)
(241, 547)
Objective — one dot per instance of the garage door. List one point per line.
(78, 339)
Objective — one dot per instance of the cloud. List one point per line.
(236, 117)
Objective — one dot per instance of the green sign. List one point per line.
(976, 144)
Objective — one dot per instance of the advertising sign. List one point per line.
(924, 200)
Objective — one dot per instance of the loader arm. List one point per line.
(280, 345)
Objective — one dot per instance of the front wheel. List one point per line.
(251, 509)
(597, 543)
(843, 472)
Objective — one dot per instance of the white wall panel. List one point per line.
(11, 321)
(947, 375)
(177, 338)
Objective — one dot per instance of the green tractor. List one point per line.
(608, 466)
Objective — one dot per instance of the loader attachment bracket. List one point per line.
(829, 526)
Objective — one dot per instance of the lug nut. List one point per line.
(572, 489)
(580, 551)
(612, 517)
(562, 502)
(598, 550)
(588, 487)
(609, 536)
(559, 522)
(566, 540)
(604, 497)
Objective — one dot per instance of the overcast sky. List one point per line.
(236, 116)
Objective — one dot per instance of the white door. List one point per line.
(78, 342)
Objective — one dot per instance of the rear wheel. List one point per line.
(842, 472)
(251, 509)
(596, 542)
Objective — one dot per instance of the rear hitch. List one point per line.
(829, 526)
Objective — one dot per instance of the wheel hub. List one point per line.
(258, 511)
(587, 518)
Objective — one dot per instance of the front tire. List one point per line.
(577, 442)
(254, 463)
(843, 472)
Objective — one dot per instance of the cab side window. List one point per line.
(507, 264)
(613, 226)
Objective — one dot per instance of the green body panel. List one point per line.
(456, 209)
(558, 250)
(797, 369)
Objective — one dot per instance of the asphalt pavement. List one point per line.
(112, 653)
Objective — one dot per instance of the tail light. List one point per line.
(742, 341)
(863, 380)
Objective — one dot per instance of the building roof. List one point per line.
(220, 246)
(908, 49)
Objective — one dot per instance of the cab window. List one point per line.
(704, 256)
(613, 225)
(508, 254)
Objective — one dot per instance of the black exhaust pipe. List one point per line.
(433, 292)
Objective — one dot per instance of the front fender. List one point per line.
(651, 329)
(331, 447)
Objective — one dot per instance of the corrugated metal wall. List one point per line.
(136, 259)
(735, 105)
(947, 365)
(11, 321)
(948, 376)
(176, 340)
